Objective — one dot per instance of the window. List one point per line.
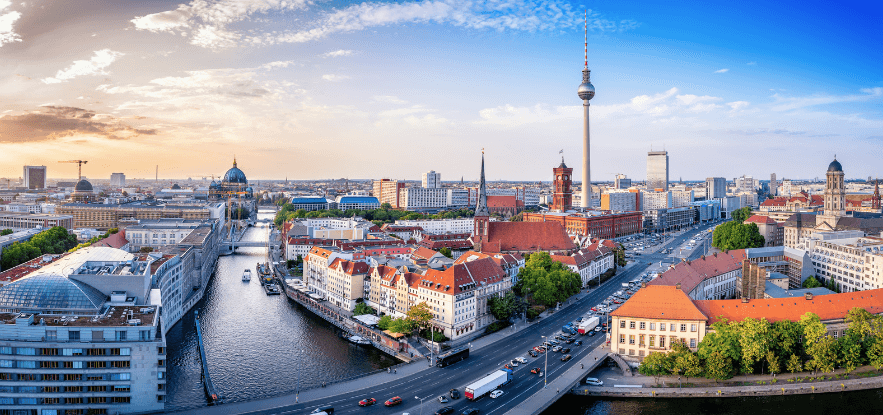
(121, 388)
(622, 338)
(683, 327)
(692, 343)
(5, 350)
(692, 327)
(27, 364)
(121, 376)
(673, 327)
(641, 340)
(662, 341)
(652, 341)
(631, 339)
(7, 363)
(26, 351)
(661, 326)
(96, 389)
(622, 324)
(652, 326)
(51, 335)
(71, 352)
(120, 335)
(643, 325)
(96, 352)
(631, 324)
(144, 335)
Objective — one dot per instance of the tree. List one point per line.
(419, 315)
(794, 364)
(735, 235)
(850, 348)
(517, 218)
(385, 206)
(384, 323)
(755, 341)
(718, 366)
(446, 252)
(656, 365)
(504, 307)
(5, 232)
(773, 362)
(786, 338)
(689, 365)
(546, 282)
(875, 353)
(362, 308)
(811, 282)
(740, 215)
(401, 325)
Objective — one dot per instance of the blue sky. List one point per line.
(316, 89)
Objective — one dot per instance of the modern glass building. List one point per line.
(657, 170)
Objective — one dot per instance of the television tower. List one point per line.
(586, 92)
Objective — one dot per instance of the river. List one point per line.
(257, 345)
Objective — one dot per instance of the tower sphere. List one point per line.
(586, 91)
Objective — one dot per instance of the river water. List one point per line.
(257, 345)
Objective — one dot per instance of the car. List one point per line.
(506, 366)
(539, 349)
(514, 363)
(443, 399)
(496, 394)
(454, 394)
(447, 410)
(521, 360)
(367, 402)
(566, 357)
(469, 411)
(395, 400)
(591, 332)
(578, 343)
(556, 348)
(565, 350)
(597, 328)
(594, 382)
(536, 370)
(579, 320)
(533, 353)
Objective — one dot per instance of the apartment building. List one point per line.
(107, 216)
(387, 191)
(345, 282)
(21, 221)
(620, 201)
(588, 262)
(423, 198)
(439, 226)
(855, 264)
(316, 266)
(654, 319)
(712, 277)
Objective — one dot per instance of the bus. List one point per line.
(452, 356)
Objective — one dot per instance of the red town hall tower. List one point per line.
(563, 197)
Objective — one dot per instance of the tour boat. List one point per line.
(246, 275)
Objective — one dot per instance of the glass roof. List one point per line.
(50, 292)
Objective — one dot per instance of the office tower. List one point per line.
(431, 180)
(657, 170)
(715, 187)
(622, 182)
(34, 177)
(117, 180)
(773, 185)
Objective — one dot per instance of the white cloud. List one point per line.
(751, 63)
(334, 78)
(388, 99)
(207, 23)
(725, 70)
(277, 64)
(790, 103)
(7, 31)
(738, 105)
(338, 53)
(94, 66)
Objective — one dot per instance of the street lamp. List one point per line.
(546, 366)
(421, 403)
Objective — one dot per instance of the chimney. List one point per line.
(678, 286)
(643, 285)
(808, 296)
(745, 300)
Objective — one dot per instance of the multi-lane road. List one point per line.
(433, 382)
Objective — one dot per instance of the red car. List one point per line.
(536, 370)
(395, 400)
(367, 402)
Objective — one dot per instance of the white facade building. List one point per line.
(117, 180)
(651, 200)
(431, 180)
(422, 198)
(681, 198)
(855, 264)
(461, 225)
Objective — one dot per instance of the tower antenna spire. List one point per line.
(586, 28)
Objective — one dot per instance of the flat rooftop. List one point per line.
(116, 316)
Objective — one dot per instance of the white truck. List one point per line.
(587, 325)
(488, 383)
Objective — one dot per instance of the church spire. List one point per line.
(481, 207)
(875, 200)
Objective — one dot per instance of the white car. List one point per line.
(594, 382)
(496, 394)
(521, 360)
(513, 363)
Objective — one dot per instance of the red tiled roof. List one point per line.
(451, 281)
(349, 267)
(423, 253)
(661, 302)
(774, 202)
(758, 219)
(310, 241)
(527, 236)
(690, 274)
(117, 240)
(827, 307)
(502, 202)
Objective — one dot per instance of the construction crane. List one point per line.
(80, 164)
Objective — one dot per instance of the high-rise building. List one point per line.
(562, 200)
(586, 92)
(619, 200)
(656, 200)
(431, 180)
(774, 186)
(715, 188)
(657, 170)
(117, 180)
(34, 177)
(786, 187)
(388, 191)
(622, 182)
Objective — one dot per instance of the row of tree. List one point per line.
(737, 235)
(385, 214)
(547, 282)
(55, 240)
(758, 346)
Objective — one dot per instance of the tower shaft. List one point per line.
(586, 191)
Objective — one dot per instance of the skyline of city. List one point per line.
(274, 84)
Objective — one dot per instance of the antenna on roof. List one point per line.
(586, 28)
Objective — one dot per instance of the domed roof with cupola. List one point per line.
(835, 166)
(83, 186)
(234, 175)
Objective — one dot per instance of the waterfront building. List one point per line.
(34, 177)
(657, 171)
(431, 180)
(158, 233)
(715, 188)
(345, 282)
(21, 221)
(117, 180)
(589, 263)
(316, 264)
(616, 200)
(357, 202)
(310, 203)
(107, 216)
(295, 247)
(233, 187)
(711, 277)
(510, 263)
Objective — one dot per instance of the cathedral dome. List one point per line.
(835, 166)
(176, 187)
(83, 186)
(234, 175)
